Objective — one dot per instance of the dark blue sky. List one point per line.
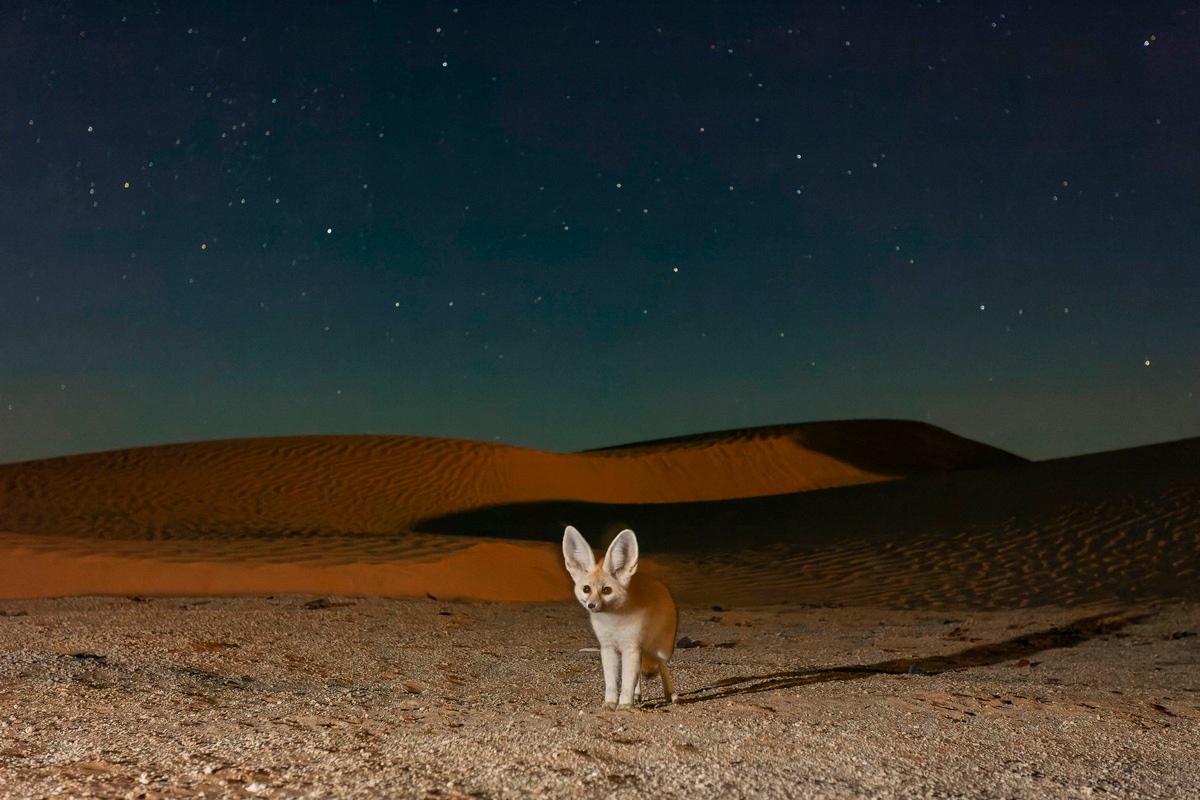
(569, 225)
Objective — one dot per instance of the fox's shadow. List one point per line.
(1071, 635)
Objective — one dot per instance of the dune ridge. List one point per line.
(898, 448)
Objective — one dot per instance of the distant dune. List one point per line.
(876, 512)
(1117, 526)
(385, 484)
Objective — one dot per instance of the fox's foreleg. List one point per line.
(631, 671)
(610, 661)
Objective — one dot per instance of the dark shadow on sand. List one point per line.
(1096, 489)
(1071, 635)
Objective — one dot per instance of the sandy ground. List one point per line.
(303, 696)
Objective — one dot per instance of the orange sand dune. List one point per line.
(485, 570)
(377, 484)
(720, 519)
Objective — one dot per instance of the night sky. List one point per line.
(568, 225)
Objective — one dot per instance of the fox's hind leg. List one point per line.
(668, 684)
(649, 670)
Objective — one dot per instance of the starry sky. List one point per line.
(566, 225)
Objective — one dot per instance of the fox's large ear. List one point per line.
(577, 553)
(621, 560)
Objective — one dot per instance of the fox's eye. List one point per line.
(606, 590)
(586, 589)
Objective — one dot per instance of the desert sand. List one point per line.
(868, 609)
(296, 696)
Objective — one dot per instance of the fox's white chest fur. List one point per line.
(632, 615)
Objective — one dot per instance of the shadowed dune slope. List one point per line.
(291, 486)
(878, 446)
(1120, 525)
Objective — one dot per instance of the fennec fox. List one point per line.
(633, 615)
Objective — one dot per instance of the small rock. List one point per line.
(324, 602)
